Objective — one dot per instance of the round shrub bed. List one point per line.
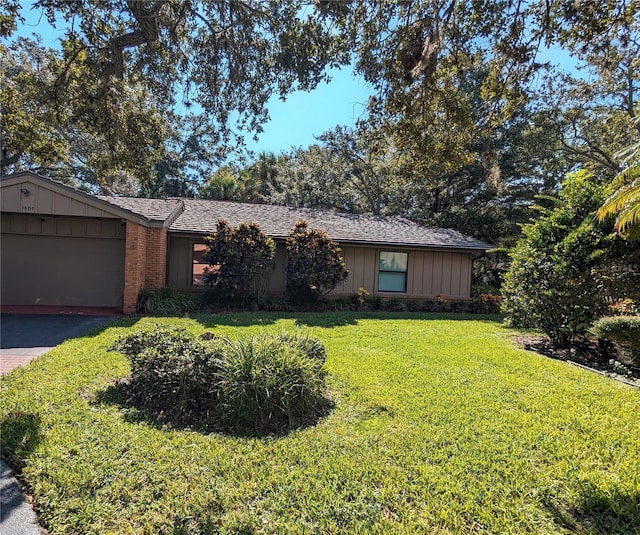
(266, 383)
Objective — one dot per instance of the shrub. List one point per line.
(394, 304)
(551, 283)
(624, 307)
(165, 302)
(623, 331)
(314, 263)
(262, 384)
(171, 373)
(236, 256)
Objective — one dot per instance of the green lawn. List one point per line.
(439, 426)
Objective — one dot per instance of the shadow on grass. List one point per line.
(20, 433)
(595, 511)
(135, 412)
(329, 319)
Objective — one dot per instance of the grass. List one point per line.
(441, 425)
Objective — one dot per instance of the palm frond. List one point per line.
(625, 202)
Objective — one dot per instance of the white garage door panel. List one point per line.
(65, 271)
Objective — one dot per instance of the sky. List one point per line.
(294, 122)
(304, 115)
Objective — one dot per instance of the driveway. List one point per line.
(22, 338)
(25, 336)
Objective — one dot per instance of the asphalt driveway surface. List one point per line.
(25, 336)
(22, 338)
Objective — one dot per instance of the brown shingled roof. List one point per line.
(152, 209)
(200, 217)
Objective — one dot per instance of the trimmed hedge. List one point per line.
(263, 384)
(166, 302)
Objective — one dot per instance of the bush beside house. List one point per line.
(174, 302)
(623, 331)
(236, 256)
(314, 263)
(558, 281)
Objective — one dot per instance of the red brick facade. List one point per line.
(145, 262)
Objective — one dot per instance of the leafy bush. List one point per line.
(262, 384)
(394, 304)
(624, 331)
(314, 263)
(171, 373)
(181, 302)
(624, 307)
(236, 256)
(551, 283)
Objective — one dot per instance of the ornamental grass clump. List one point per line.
(269, 383)
(261, 384)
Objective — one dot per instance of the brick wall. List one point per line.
(134, 265)
(156, 258)
(145, 262)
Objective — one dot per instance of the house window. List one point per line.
(198, 266)
(392, 272)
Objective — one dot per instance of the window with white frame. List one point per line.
(392, 272)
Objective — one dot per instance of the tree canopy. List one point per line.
(129, 71)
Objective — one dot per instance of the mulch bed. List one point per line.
(603, 359)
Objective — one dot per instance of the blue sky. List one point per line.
(304, 115)
(294, 122)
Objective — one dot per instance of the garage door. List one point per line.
(62, 270)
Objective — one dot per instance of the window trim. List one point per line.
(405, 272)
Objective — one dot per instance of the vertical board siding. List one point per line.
(44, 200)
(48, 225)
(445, 289)
(427, 273)
(10, 198)
(436, 279)
(34, 225)
(430, 273)
(277, 277)
(370, 270)
(61, 204)
(180, 262)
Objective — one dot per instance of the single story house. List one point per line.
(64, 247)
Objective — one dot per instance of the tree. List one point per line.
(554, 282)
(222, 185)
(364, 164)
(236, 256)
(125, 66)
(313, 178)
(51, 124)
(314, 263)
(260, 179)
(219, 61)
